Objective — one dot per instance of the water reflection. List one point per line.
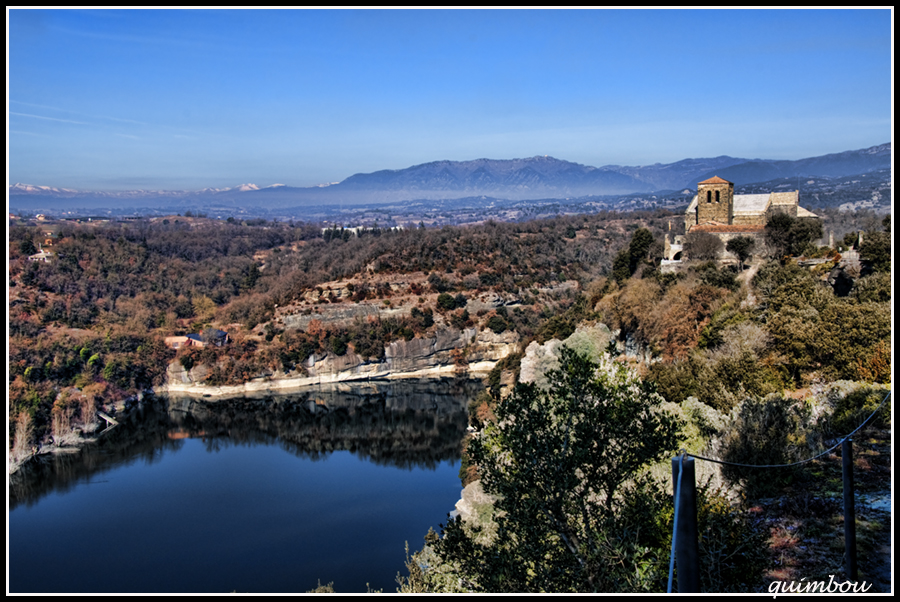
(140, 436)
(405, 424)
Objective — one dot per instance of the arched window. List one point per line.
(717, 196)
(709, 196)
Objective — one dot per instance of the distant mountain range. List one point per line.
(513, 179)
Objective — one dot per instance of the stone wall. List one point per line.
(784, 202)
(715, 202)
(750, 219)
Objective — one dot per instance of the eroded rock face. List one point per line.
(477, 508)
(538, 359)
(490, 346)
(636, 350)
(176, 373)
(334, 315)
(449, 352)
(589, 340)
(473, 502)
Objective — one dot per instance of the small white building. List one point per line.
(41, 255)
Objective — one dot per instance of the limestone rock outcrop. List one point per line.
(449, 352)
(589, 340)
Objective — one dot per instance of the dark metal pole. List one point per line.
(687, 548)
(849, 509)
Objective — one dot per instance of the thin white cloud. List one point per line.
(196, 39)
(94, 117)
(31, 104)
(129, 39)
(107, 117)
(122, 120)
(29, 133)
(49, 118)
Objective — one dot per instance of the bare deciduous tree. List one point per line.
(702, 245)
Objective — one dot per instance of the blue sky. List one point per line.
(178, 99)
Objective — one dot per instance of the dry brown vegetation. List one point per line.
(124, 286)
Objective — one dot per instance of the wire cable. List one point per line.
(681, 472)
(833, 447)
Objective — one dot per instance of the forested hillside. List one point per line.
(87, 327)
(569, 476)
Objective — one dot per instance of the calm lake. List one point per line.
(269, 494)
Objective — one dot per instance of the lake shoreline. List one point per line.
(287, 384)
(76, 440)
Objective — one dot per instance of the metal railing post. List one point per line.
(849, 509)
(687, 547)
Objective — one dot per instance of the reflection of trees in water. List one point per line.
(417, 424)
(142, 435)
(397, 424)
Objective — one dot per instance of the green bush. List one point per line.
(765, 432)
(744, 372)
(446, 302)
(855, 407)
(557, 460)
(711, 335)
(733, 551)
(875, 251)
(710, 273)
(676, 381)
(557, 327)
(497, 324)
(337, 345)
(460, 320)
(873, 288)
(187, 361)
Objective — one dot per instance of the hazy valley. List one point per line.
(453, 192)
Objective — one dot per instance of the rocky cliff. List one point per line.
(449, 352)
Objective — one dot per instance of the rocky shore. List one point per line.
(449, 353)
(74, 440)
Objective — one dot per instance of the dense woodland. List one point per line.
(93, 318)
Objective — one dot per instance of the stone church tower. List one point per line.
(715, 201)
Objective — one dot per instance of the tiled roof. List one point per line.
(715, 180)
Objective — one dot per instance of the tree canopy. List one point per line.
(742, 247)
(875, 251)
(628, 259)
(787, 235)
(558, 460)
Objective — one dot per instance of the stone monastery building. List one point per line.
(717, 210)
